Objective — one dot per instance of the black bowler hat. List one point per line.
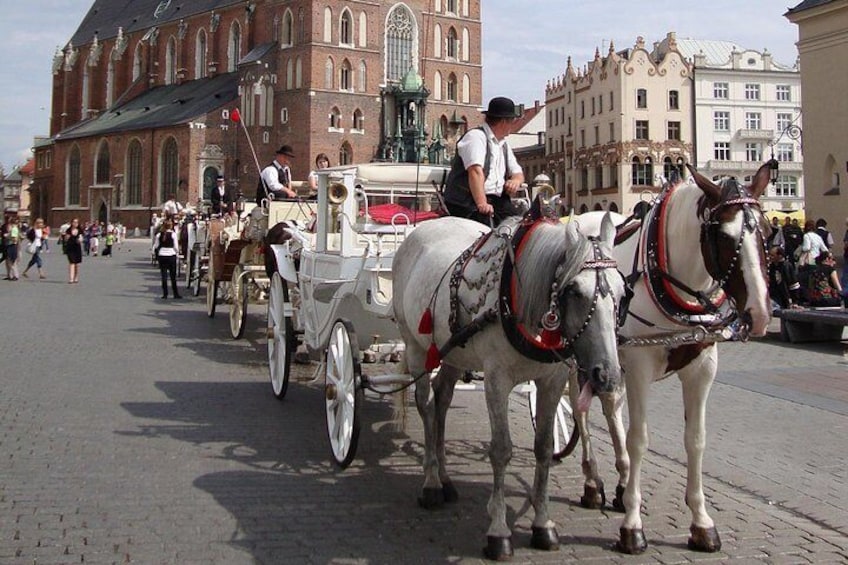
(501, 107)
(285, 150)
(219, 177)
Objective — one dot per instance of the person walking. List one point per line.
(72, 239)
(11, 239)
(485, 174)
(109, 241)
(167, 251)
(35, 235)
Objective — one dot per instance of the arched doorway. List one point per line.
(103, 214)
(209, 181)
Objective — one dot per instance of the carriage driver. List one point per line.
(485, 174)
(275, 181)
(221, 197)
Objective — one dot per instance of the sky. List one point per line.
(525, 44)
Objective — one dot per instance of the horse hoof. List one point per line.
(545, 539)
(431, 498)
(498, 549)
(632, 542)
(449, 492)
(618, 501)
(704, 539)
(593, 498)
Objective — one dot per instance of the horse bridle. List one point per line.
(551, 321)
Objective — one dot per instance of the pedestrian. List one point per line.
(821, 229)
(275, 180)
(321, 162)
(221, 197)
(109, 241)
(823, 287)
(167, 251)
(72, 241)
(485, 173)
(792, 236)
(35, 236)
(775, 238)
(783, 288)
(94, 239)
(11, 239)
(45, 241)
(805, 256)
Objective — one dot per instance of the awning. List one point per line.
(781, 214)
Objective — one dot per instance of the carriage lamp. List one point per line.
(240, 203)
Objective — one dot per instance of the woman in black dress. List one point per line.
(72, 240)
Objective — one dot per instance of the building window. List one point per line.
(784, 120)
(597, 135)
(73, 177)
(137, 62)
(110, 82)
(753, 120)
(452, 47)
(613, 176)
(200, 55)
(345, 76)
(169, 169)
(599, 177)
(569, 126)
(362, 84)
(451, 87)
(582, 138)
(450, 6)
(584, 178)
(363, 30)
(328, 74)
(721, 151)
(103, 166)
(612, 131)
(786, 186)
(358, 120)
(437, 86)
(284, 115)
(784, 93)
(642, 129)
(582, 109)
(335, 119)
(674, 131)
(673, 100)
(721, 90)
(133, 174)
(642, 98)
(234, 47)
(171, 61)
(466, 41)
(345, 154)
(752, 91)
(642, 172)
(721, 121)
(346, 28)
(753, 152)
(287, 38)
(328, 25)
(611, 101)
(600, 103)
(785, 152)
(400, 33)
(593, 105)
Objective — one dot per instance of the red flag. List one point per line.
(235, 115)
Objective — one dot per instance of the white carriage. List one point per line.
(332, 290)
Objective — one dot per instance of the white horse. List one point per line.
(695, 262)
(455, 290)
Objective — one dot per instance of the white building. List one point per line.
(746, 108)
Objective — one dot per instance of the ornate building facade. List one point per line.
(617, 124)
(143, 95)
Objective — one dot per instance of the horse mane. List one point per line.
(548, 253)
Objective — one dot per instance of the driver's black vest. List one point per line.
(282, 177)
(457, 190)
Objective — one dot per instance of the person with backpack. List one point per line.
(485, 174)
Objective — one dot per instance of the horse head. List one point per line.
(577, 297)
(733, 244)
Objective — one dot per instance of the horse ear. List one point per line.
(711, 189)
(608, 229)
(762, 179)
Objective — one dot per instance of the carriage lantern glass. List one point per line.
(774, 172)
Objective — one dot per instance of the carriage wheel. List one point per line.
(565, 425)
(281, 340)
(342, 392)
(197, 274)
(211, 290)
(238, 307)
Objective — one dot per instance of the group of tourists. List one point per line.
(802, 268)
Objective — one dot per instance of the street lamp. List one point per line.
(792, 131)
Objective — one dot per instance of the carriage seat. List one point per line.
(390, 218)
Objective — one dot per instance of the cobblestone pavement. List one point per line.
(134, 430)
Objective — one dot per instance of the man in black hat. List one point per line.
(275, 181)
(221, 197)
(485, 173)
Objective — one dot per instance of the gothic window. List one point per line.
(328, 74)
(451, 93)
(328, 25)
(466, 41)
(289, 75)
(363, 30)
(335, 118)
(86, 88)
(103, 165)
(171, 61)
(358, 120)
(452, 46)
(110, 82)
(269, 104)
(133, 174)
(466, 89)
(298, 73)
(345, 76)
(437, 86)
(345, 154)
(234, 47)
(363, 76)
(288, 29)
(72, 179)
(401, 31)
(200, 54)
(346, 28)
(450, 6)
(437, 41)
(168, 169)
(137, 62)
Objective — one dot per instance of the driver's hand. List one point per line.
(486, 209)
(511, 186)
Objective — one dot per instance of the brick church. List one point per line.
(144, 91)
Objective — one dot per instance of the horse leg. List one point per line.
(642, 366)
(548, 394)
(497, 388)
(613, 404)
(594, 496)
(444, 388)
(425, 401)
(697, 379)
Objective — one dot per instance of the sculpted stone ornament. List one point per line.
(94, 52)
(71, 56)
(120, 45)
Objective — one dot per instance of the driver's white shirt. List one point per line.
(171, 207)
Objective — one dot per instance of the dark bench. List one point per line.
(813, 324)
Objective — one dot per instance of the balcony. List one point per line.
(760, 134)
(723, 165)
